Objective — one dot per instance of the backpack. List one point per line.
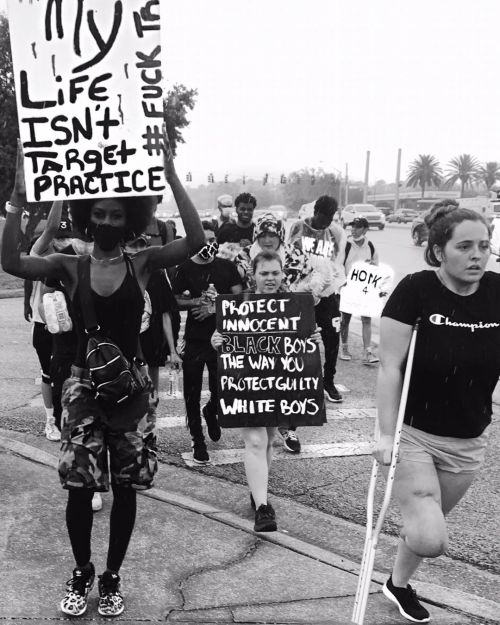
(113, 377)
(348, 246)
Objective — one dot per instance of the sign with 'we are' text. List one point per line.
(89, 94)
(269, 367)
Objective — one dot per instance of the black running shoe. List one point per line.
(265, 519)
(332, 393)
(110, 597)
(213, 427)
(291, 442)
(407, 602)
(79, 586)
(200, 453)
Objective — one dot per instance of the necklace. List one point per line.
(106, 261)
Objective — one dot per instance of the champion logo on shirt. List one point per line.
(440, 320)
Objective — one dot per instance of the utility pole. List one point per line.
(398, 173)
(367, 173)
(346, 187)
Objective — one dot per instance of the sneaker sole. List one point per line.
(289, 449)
(201, 461)
(392, 598)
(72, 613)
(335, 401)
(107, 615)
(345, 357)
(270, 527)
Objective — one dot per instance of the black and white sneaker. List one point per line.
(78, 588)
(332, 393)
(291, 442)
(200, 453)
(265, 519)
(407, 602)
(110, 597)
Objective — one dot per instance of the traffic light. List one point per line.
(210, 177)
(189, 177)
(244, 179)
(265, 179)
(226, 178)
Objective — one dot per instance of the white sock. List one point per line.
(49, 413)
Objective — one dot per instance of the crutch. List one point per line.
(372, 533)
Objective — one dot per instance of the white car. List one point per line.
(373, 215)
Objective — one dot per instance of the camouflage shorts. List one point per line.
(89, 431)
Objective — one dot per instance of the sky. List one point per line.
(285, 85)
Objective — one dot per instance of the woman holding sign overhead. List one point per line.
(268, 276)
(455, 369)
(116, 416)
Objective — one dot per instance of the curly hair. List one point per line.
(245, 198)
(138, 211)
(442, 220)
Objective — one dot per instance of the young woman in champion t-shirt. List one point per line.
(455, 369)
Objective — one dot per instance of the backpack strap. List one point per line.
(85, 295)
(348, 246)
(372, 249)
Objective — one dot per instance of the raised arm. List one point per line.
(179, 250)
(394, 344)
(30, 267)
(51, 227)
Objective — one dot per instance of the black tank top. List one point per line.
(119, 316)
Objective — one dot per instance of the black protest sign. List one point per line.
(269, 369)
(89, 97)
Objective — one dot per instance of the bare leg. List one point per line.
(256, 459)
(344, 327)
(366, 332)
(46, 390)
(425, 495)
(271, 433)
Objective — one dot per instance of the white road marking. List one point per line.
(322, 450)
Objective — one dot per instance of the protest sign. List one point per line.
(89, 97)
(364, 292)
(269, 369)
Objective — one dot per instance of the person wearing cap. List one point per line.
(358, 248)
(242, 230)
(269, 236)
(225, 208)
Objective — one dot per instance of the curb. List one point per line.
(436, 595)
(8, 293)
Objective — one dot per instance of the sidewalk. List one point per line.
(194, 557)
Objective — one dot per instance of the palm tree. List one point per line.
(463, 168)
(489, 174)
(424, 171)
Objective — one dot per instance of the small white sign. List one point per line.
(365, 290)
(89, 94)
(495, 236)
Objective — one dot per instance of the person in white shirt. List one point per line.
(358, 248)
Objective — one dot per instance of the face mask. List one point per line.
(106, 237)
(358, 238)
(208, 251)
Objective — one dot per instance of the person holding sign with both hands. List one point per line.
(268, 276)
(113, 283)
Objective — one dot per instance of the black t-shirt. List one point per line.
(457, 354)
(230, 232)
(195, 278)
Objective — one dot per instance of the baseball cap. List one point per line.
(360, 222)
(225, 200)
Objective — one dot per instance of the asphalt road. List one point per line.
(336, 485)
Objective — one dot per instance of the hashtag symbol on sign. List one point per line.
(154, 140)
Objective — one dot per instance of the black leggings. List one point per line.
(79, 517)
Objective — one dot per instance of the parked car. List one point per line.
(372, 214)
(402, 216)
(419, 231)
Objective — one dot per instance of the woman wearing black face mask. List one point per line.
(92, 429)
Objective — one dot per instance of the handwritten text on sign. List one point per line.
(89, 96)
(365, 289)
(269, 369)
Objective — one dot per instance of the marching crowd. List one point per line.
(125, 277)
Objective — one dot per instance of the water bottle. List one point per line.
(56, 313)
(173, 382)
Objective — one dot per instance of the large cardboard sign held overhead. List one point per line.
(269, 369)
(89, 94)
(365, 291)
